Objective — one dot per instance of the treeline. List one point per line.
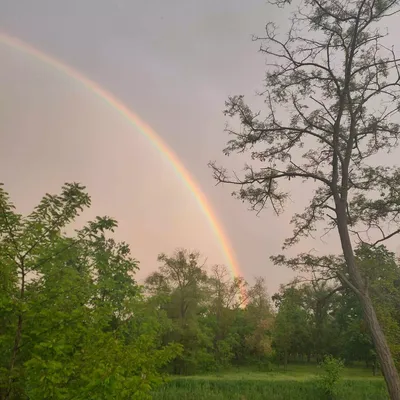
(75, 324)
(222, 322)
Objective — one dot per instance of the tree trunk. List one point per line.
(382, 348)
(285, 360)
(17, 342)
(18, 333)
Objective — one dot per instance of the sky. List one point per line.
(174, 63)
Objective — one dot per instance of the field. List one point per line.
(298, 382)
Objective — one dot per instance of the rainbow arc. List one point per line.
(144, 129)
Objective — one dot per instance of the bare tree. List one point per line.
(332, 99)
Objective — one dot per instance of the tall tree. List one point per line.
(260, 317)
(291, 330)
(382, 273)
(226, 295)
(184, 278)
(319, 299)
(353, 337)
(182, 283)
(332, 97)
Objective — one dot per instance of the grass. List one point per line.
(299, 382)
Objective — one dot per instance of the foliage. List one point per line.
(310, 321)
(180, 285)
(74, 323)
(291, 330)
(329, 379)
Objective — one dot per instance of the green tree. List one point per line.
(381, 274)
(26, 244)
(73, 320)
(319, 300)
(330, 376)
(291, 329)
(260, 317)
(181, 285)
(226, 296)
(332, 94)
(355, 342)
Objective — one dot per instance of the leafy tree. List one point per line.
(381, 273)
(260, 317)
(332, 95)
(354, 339)
(226, 296)
(181, 284)
(291, 329)
(319, 301)
(330, 377)
(26, 244)
(226, 293)
(74, 323)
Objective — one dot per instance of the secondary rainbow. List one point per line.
(145, 129)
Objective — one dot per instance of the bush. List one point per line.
(329, 378)
(265, 366)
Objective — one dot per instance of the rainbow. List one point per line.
(145, 129)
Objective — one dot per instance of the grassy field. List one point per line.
(297, 383)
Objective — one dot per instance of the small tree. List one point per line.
(332, 96)
(329, 378)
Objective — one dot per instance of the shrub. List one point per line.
(330, 376)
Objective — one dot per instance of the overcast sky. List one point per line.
(173, 63)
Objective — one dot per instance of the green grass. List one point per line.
(297, 383)
(298, 372)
